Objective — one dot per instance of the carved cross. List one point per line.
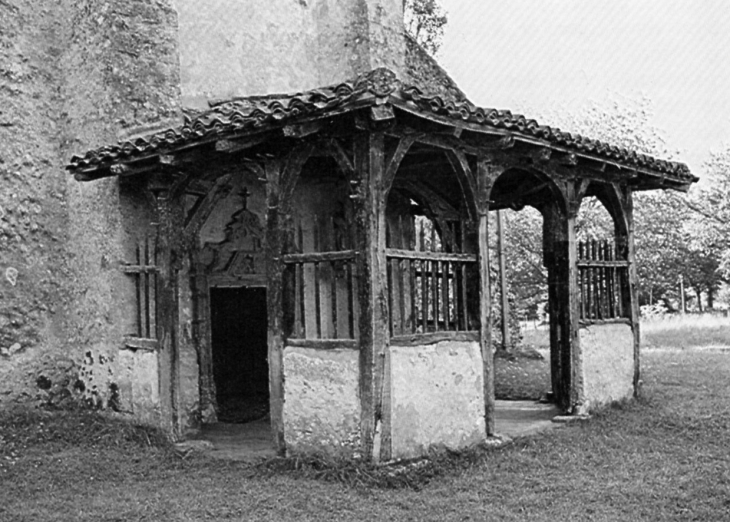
(245, 194)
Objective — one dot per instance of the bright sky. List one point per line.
(512, 54)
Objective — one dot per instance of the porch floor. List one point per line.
(252, 441)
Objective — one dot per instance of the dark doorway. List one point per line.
(240, 365)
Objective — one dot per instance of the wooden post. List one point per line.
(571, 314)
(371, 265)
(561, 257)
(506, 341)
(169, 232)
(486, 175)
(551, 219)
(633, 287)
(274, 301)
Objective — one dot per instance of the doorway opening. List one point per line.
(240, 353)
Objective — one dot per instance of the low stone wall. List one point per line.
(608, 363)
(321, 402)
(437, 397)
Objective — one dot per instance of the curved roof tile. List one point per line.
(237, 116)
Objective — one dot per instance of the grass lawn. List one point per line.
(525, 372)
(686, 331)
(664, 457)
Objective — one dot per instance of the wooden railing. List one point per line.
(603, 281)
(144, 270)
(321, 290)
(427, 291)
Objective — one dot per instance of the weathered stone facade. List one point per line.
(74, 74)
(35, 365)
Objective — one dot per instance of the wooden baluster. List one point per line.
(153, 292)
(138, 285)
(445, 294)
(599, 279)
(594, 278)
(464, 309)
(389, 278)
(350, 299)
(317, 305)
(401, 296)
(147, 287)
(333, 298)
(604, 286)
(433, 237)
(424, 297)
(582, 275)
(590, 298)
(413, 317)
(422, 236)
(298, 300)
(434, 294)
(609, 281)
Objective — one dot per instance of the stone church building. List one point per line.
(212, 210)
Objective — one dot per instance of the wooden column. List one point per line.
(371, 266)
(170, 218)
(633, 284)
(570, 305)
(486, 175)
(274, 300)
(550, 224)
(560, 259)
(506, 342)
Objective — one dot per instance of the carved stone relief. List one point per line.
(241, 252)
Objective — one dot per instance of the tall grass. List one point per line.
(686, 331)
(668, 331)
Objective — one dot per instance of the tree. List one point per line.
(424, 20)
(677, 235)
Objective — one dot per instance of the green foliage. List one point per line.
(676, 235)
(425, 20)
(526, 273)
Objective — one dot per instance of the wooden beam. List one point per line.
(566, 159)
(542, 155)
(465, 176)
(230, 146)
(394, 161)
(141, 343)
(335, 150)
(634, 292)
(371, 266)
(274, 301)
(319, 257)
(291, 171)
(124, 169)
(431, 256)
(202, 210)
(198, 187)
(302, 130)
(484, 181)
(438, 205)
(423, 339)
(323, 344)
(168, 325)
(380, 113)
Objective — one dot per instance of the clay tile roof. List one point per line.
(243, 115)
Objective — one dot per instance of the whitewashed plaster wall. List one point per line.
(437, 396)
(321, 401)
(608, 363)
